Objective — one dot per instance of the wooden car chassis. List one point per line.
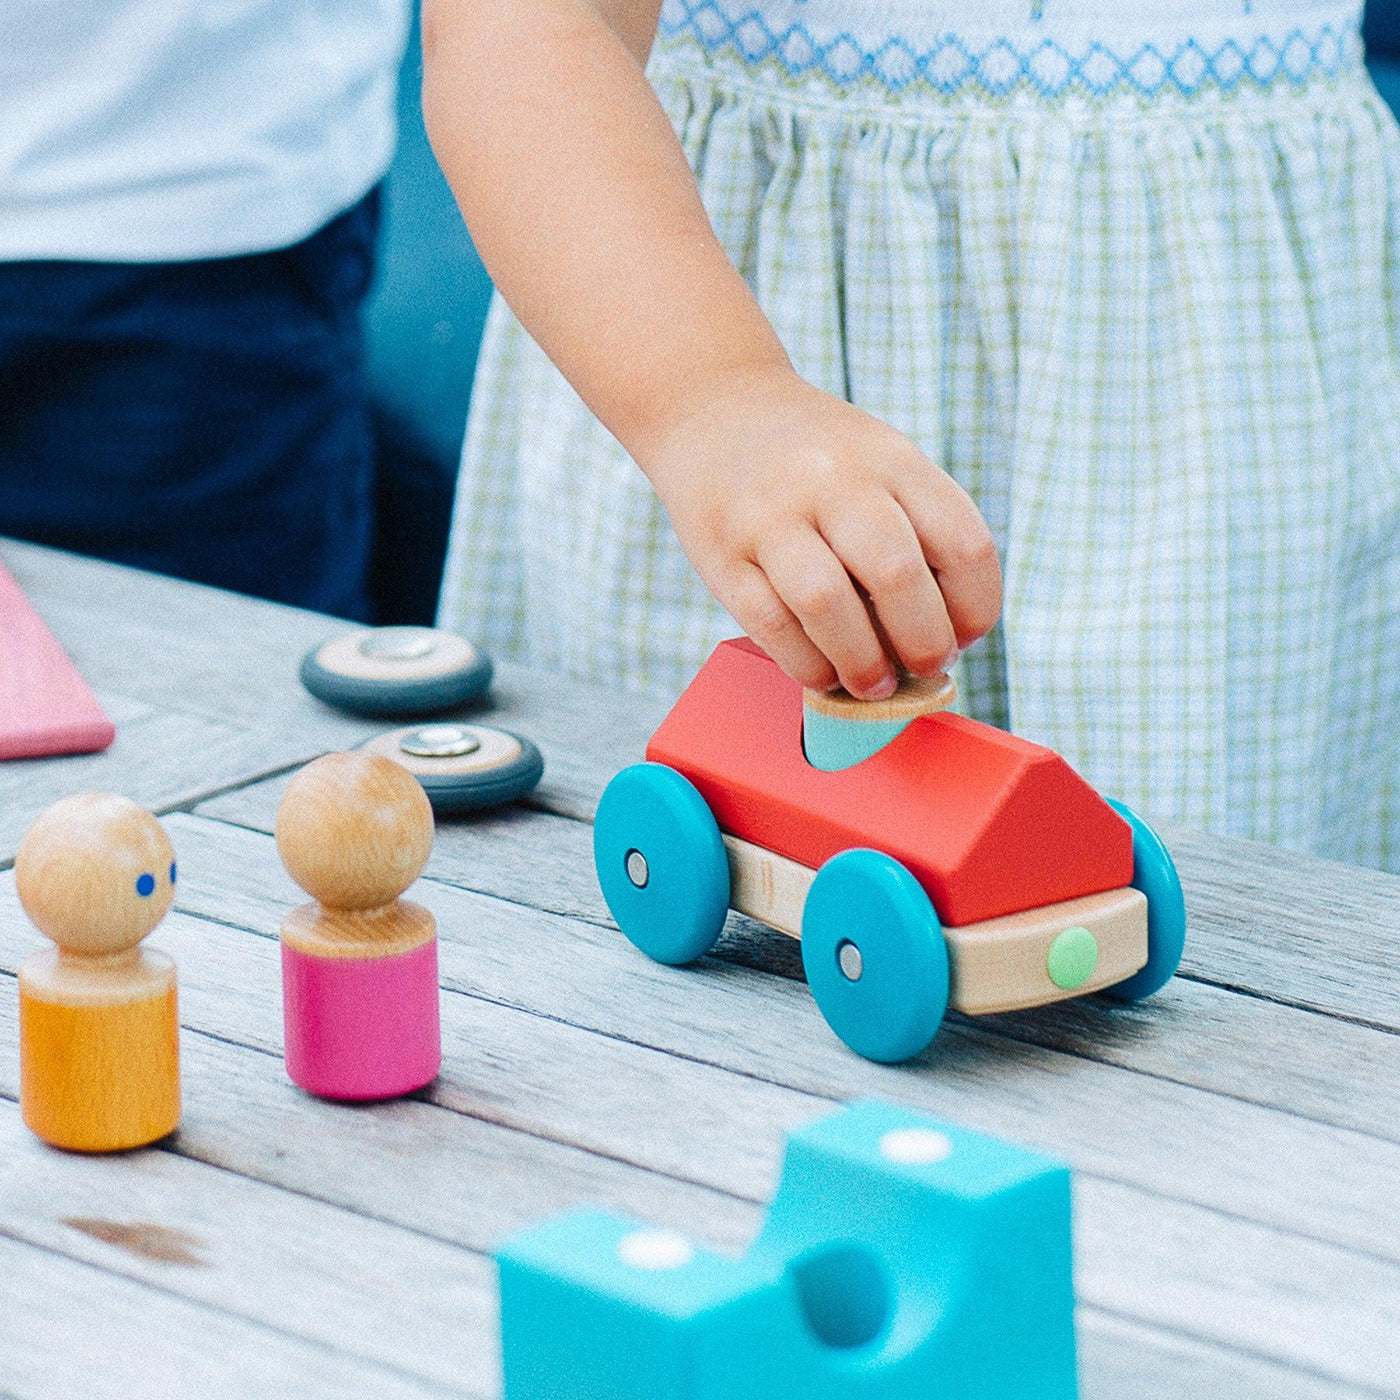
(995, 965)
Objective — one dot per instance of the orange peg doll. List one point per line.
(98, 1028)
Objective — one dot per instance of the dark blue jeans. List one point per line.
(206, 419)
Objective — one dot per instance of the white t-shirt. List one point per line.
(163, 130)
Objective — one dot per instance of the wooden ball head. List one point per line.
(99, 1026)
(359, 965)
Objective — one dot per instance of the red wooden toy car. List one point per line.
(958, 865)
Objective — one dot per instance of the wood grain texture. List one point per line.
(1001, 964)
(766, 886)
(157, 1346)
(1316, 1065)
(371, 1293)
(1274, 923)
(1301, 1175)
(163, 761)
(994, 965)
(915, 696)
(1237, 1138)
(1307, 932)
(1194, 1033)
(618, 1101)
(354, 830)
(336, 1278)
(358, 933)
(733, 1115)
(201, 652)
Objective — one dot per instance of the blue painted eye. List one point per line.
(172, 872)
(145, 884)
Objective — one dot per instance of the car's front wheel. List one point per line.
(874, 954)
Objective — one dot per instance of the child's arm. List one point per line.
(584, 210)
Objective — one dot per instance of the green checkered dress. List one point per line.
(1135, 283)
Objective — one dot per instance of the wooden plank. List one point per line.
(146, 1346)
(1120, 1358)
(1313, 1065)
(618, 1100)
(395, 1298)
(1282, 925)
(1310, 932)
(1298, 1175)
(182, 647)
(162, 1349)
(70, 1329)
(1306, 932)
(190, 654)
(162, 760)
(461, 1179)
(259, 1129)
(365, 1289)
(694, 1023)
(517, 852)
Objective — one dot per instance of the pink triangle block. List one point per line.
(45, 705)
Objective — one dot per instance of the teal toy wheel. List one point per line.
(874, 955)
(1155, 875)
(661, 863)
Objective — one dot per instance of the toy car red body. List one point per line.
(957, 865)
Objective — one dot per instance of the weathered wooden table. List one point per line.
(1236, 1139)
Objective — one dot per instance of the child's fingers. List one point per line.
(959, 548)
(754, 605)
(878, 545)
(814, 584)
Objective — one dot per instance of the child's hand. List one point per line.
(791, 503)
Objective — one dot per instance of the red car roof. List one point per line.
(988, 823)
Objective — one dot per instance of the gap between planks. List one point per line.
(1124, 1358)
(644, 974)
(1076, 1029)
(1215, 932)
(574, 1144)
(1090, 1308)
(91, 1358)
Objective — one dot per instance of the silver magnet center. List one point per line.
(849, 960)
(439, 741)
(637, 870)
(398, 643)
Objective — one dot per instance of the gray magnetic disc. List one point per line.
(398, 672)
(463, 767)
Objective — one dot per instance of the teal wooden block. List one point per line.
(902, 1257)
(832, 744)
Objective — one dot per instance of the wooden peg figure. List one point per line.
(359, 966)
(98, 1026)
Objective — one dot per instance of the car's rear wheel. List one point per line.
(874, 955)
(661, 863)
(1155, 875)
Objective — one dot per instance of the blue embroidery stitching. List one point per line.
(1048, 68)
